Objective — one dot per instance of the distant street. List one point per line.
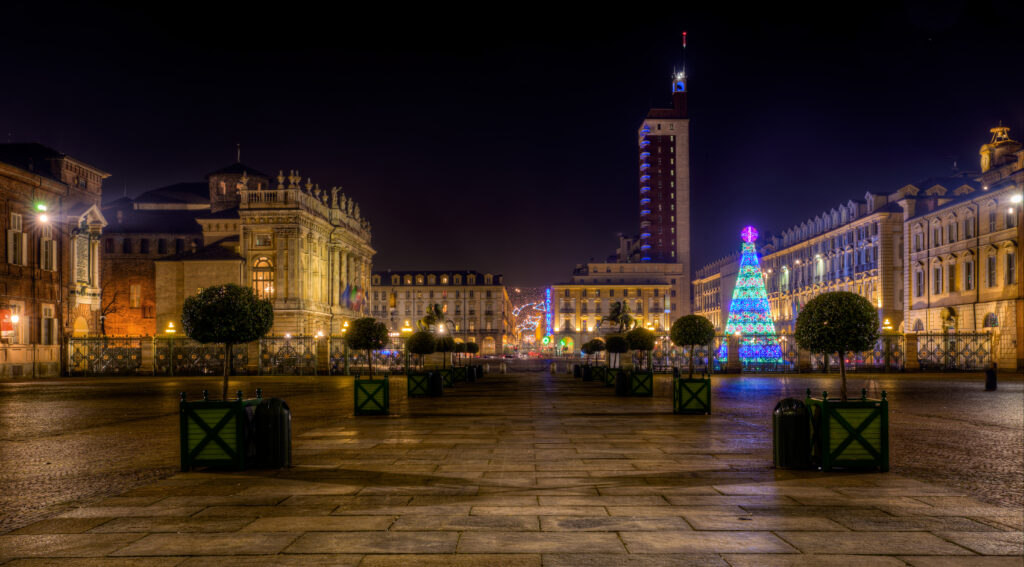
(75, 440)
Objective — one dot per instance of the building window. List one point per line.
(48, 326)
(951, 275)
(937, 281)
(991, 320)
(135, 296)
(161, 246)
(47, 249)
(992, 221)
(1011, 268)
(126, 246)
(1011, 218)
(936, 236)
(263, 278)
(16, 243)
(108, 245)
(263, 240)
(179, 245)
(969, 275)
(969, 228)
(991, 279)
(144, 246)
(919, 283)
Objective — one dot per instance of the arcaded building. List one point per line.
(476, 303)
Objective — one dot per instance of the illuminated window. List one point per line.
(263, 240)
(263, 277)
(135, 296)
(991, 320)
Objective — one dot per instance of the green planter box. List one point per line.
(853, 434)
(587, 373)
(611, 375)
(459, 374)
(641, 383)
(372, 397)
(691, 395)
(447, 377)
(599, 373)
(417, 384)
(216, 433)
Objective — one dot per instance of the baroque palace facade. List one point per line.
(938, 256)
(477, 304)
(304, 248)
(50, 276)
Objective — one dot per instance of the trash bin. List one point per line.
(675, 372)
(471, 373)
(435, 386)
(791, 435)
(990, 377)
(622, 379)
(577, 372)
(588, 373)
(273, 435)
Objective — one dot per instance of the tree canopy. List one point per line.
(229, 314)
(640, 339)
(837, 322)
(616, 344)
(366, 333)
(421, 343)
(692, 330)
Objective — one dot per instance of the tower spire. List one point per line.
(238, 153)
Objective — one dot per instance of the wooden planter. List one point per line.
(599, 373)
(611, 375)
(691, 395)
(372, 397)
(641, 383)
(459, 374)
(853, 434)
(417, 384)
(447, 377)
(216, 433)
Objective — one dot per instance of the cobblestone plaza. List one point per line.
(522, 469)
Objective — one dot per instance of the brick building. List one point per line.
(50, 276)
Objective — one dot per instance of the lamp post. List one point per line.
(1018, 201)
(344, 344)
(406, 332)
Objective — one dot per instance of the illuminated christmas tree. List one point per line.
(749, 314)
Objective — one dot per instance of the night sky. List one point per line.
(505, 141)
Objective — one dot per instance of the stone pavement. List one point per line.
(534, 470)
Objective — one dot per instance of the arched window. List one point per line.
(918, 326)
(488, 346)
(991, 320)
(263, 277)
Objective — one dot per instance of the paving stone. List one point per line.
(63, 545)
(885, 523)
(475, 560)
(611, 524)
(704, 542)
(454, 510)
(60, 526)
(977, 561)
(326, 560)
(375, 542)
(538, 511)
(466, 523)
(539, 542)
(207, 544)
(998, 543)
(264, 511)
(619, 560)
(99, 562)
(174, 525)
(758, 560)
(672, 510)
(123, 511)
(640, 500)
(871, 543)
(723, 522)
(301, 524)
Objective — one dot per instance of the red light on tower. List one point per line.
(684, 39)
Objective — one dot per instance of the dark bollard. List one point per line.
(990, 377)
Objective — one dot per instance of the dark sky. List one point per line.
(504, 139)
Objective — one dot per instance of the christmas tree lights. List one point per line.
(749, 314)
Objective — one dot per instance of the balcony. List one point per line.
(644, 189)
(567, 310)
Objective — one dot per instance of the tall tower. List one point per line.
(664, 140)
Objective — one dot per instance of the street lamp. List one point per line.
(344, 344)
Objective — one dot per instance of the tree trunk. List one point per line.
(369, 361)
(693, 356)
(842, 376)
(227, 370)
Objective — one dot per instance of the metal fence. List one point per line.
(889, 353)
(288, 355)
(959, 351)
(103, 356)
(182, 356)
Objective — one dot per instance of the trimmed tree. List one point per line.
(421, 343)
(367, 334)
(445, 344)
(642, 340)
(229, 314)
(460, 348)
(690, 331)
(472, 348)
(616, 345)
(588, 349)
(596, 346)
(837, 322)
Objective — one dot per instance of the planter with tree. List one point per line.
(616, 346)
(445, 345)
(641, 381)
(476, 370)
(691, 395)
(844, 432)
(217, 432)
(459, 372)
(588, 348)
(372, 396)
(420, 343)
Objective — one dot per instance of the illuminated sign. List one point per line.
(547, 311)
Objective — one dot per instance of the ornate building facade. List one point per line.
(305, 248)
(50, 276)
(962, 244)
(477, 304)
